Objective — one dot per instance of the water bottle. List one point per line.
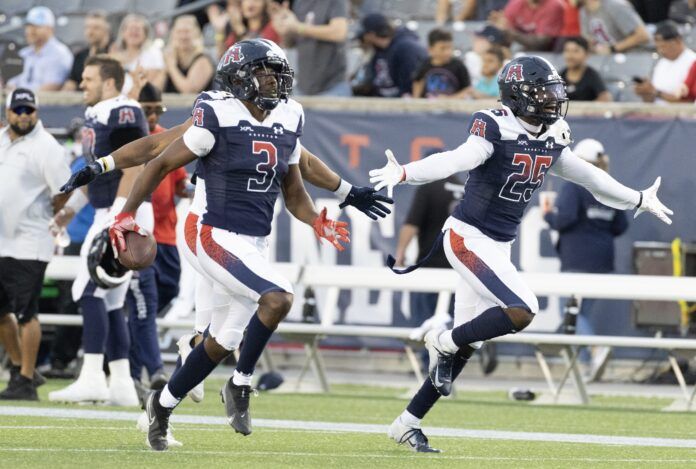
(309, 307)
(570, 315)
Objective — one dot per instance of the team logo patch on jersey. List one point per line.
(198, 116)
(478, 128)
(233, 55)
(126, 116)
(514, 73)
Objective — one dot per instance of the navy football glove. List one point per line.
(368, 201)
(82, 177)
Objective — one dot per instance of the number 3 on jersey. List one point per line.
(266, 169)
(523, 183)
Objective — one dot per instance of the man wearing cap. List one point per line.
(671, 70)
(397, 54)
(47, 61)
(33, 165)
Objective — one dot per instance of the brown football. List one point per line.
(140, 251)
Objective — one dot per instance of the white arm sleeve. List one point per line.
(470, 154)
(199, 140)
(603, 187)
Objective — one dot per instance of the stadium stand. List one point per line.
(63, 7)
(70, 30)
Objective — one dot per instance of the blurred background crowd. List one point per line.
(622, 50)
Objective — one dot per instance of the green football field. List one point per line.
(347, 428)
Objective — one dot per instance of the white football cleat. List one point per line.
(87, 388)
(143, 426)
(412, 437)
(197, 393)
(122, 393)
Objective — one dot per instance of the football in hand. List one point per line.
(140, 251)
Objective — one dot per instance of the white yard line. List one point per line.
(86, 414)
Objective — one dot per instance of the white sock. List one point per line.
(410, 420)
(241, 379)
(92, 364)
(120, 370)
(167, 399)
(447, 342)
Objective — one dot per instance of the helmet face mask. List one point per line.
(104, 269)
(531, 88)
(256, 71)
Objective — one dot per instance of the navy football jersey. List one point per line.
(498, 191)
(101, 120)
(205, 96)
(244, 161)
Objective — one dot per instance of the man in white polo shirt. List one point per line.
(33, 166)
(47, 61)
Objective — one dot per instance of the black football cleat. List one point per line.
(412, 437)
(236, 400)
(20, 389)
(439, 363)
(158, 422)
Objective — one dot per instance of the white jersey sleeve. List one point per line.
(199, 140)
(467, 156)
(603, 187)
(296, 153)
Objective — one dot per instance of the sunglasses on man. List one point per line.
(154, 109)
(19, 110)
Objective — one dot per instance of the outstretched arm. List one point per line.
(175, 156)
(365, 199)
(132, 154)
(608, 190)
(472, 153)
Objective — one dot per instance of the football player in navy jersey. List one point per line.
(248, 146)
(111, 121)
(507, 153)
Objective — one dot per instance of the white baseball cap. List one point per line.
(589, 150)
(41, 16)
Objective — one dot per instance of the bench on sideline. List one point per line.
(443, 281)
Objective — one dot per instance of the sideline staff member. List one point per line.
(33, 167)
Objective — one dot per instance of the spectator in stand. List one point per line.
(319, 31)
(204, 14)
(189, 69)
(486, 86)
(397, 55)
(651, 11)
(534, 24)
(485, 39)
(442, 75)
(471, 10)
(47, 61)
(683, 11)
(612, 26)
(98, 36)
(133, 48)
(583, 83)
(243, 19)
(672, 68)
(571, 19)
(688, 91)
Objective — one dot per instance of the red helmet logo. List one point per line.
(233, 55)
(514, 73)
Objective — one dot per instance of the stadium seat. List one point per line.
(151, 7)
(62, 7)
(109, 6)
(70, 29)
(624, 66)
(15, 7)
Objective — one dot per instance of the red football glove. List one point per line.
(333, 231)
(123, 223)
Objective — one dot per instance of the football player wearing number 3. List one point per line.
(248, 146)
(507, 154)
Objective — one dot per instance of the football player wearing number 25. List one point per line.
(249, 148)
(507, 153)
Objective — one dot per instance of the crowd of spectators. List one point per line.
(346, 47)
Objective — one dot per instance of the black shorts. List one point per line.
(20, 287)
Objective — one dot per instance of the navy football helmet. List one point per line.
(239, 70)
(531, 87)
(104, 269)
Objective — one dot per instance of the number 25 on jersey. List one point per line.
(521, 185)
